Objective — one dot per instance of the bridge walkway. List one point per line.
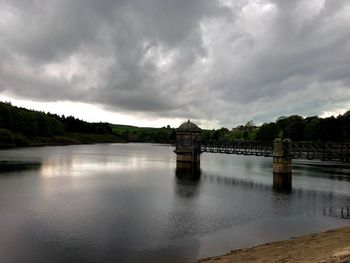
(296, 150)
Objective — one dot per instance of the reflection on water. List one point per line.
(187, 181)
(282, 183)
(339, 171)
(12, 166)
(130, 202)
(189, 171)
(267, 188)
(342, 212)
(77, 166)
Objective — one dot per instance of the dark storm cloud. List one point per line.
(220, 61)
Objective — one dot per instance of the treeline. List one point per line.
(297, 128)
(141, 134)
(314, 128)
(22, 127)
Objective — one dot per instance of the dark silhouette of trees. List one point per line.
(267, 132)
(19, 125)
(291, 127)
(296, 128)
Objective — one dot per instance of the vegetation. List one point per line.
(313, 128)
(142, 134)
(23, 127)
(295, 127)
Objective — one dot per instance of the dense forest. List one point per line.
(296, 128)
(23, 127)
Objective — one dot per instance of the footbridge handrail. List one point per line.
(297, 150)
(239, 147)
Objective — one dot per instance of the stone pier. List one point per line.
(282, 165)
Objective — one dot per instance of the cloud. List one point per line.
(223, 62)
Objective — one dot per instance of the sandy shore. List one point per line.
(330, 246)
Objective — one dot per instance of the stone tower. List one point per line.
(188, 146)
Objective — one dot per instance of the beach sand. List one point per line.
(330, 246)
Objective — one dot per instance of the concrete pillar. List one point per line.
(187, 170)
(188, 157)
(188, 163)
(282, 161)
(282, 183)
(282, 165)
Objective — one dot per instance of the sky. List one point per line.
(220, 63)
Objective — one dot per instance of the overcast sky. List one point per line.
(159, 62)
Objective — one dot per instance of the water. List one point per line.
(123, 203)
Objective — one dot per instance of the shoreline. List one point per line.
(67, 143)
(326, 247)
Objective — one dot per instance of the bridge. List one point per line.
(189, 146)
(296, 150)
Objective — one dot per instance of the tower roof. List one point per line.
(188, 126)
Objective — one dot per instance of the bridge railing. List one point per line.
(239, 147)
(321, 151)
(296, 150)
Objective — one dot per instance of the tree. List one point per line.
(267, 132)
(312, 129)
(295, 130)
(220, 134)
(7, 139)
(291, 127)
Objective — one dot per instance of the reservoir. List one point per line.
(126, 203)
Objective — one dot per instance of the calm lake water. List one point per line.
(124, 203)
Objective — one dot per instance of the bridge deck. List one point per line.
(297, 150)
(241, 148)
